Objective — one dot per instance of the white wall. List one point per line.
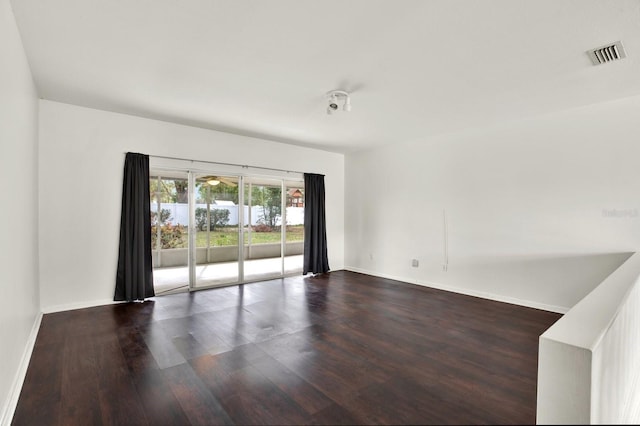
(81, 161)
(589, 360)
(528, 206)
(19, 304)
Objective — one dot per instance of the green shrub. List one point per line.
(171, 236)
(165, 216)
(201, 218)
(219, 218)
(261, 227)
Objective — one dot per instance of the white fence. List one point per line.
(180, 213)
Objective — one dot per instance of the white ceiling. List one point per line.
(262, 68)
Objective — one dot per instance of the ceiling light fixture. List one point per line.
(213, 182)
(336, 96)
(347, 105)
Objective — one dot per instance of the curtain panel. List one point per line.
(134, 277)
(316, 260)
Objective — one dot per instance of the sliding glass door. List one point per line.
(294, 230)
(218, 221)
(211, 229)
(263, 229)
(169, 191)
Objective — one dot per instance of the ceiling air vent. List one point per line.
(609, 53)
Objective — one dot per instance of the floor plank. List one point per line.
(341, 348)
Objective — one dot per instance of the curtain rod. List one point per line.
(244, 166)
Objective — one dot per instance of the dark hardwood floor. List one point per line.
(344, 348)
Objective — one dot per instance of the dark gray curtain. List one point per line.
(134, 278)
(315, 229)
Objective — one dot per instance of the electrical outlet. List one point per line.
(415, 263)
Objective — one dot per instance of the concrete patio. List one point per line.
(176, 279)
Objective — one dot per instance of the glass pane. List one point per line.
(263, 238)
(295, 227)
(169, 231)
(217, 230)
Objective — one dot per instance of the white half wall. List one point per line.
(538, 212)
(589, 360)
(82, 154)
(19, 304)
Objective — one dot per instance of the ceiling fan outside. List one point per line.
(216, 180)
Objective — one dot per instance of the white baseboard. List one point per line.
(16, 387)
(468, 292)
(78, 305)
